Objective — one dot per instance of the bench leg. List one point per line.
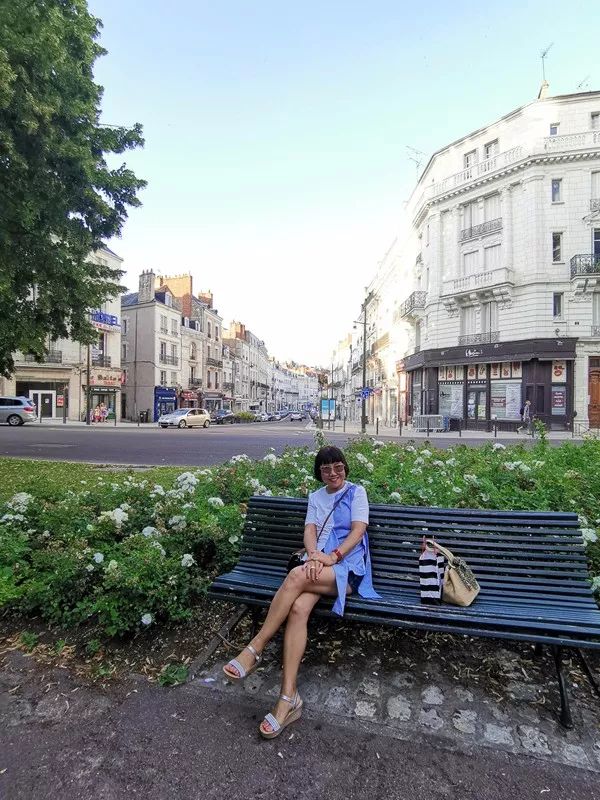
(538, 650)
(586, 668)
(255, 620)
(566, 720)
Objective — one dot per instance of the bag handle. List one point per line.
(443, 550)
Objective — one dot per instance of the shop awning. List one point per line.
(498, 352)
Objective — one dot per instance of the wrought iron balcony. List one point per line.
(479, 338)
(491, 226)
(172, 360)
(100, 361)
(195, 383)
(595, 204)
(584, 264)
(214, 362)
(51, 357)
(228, 387)
(412, 302)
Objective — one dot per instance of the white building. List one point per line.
(72, 376)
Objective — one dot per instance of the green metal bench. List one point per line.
(531, 567)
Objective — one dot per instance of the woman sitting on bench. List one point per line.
(337, 562)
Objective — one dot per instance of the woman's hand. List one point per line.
(312, 569)
(322, 558)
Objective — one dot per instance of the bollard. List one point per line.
(460, 428)
(344, 424)
(428, 427)
(495, 429)
(400, 428)
(377, 427)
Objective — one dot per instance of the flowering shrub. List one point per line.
(130, 552)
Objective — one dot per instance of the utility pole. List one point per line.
(331, 395)
(363, 403)
(88, 420)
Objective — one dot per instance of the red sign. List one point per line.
(60, 400)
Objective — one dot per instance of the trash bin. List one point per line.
(144, 416)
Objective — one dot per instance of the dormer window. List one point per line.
(168, 299)
(554, 127)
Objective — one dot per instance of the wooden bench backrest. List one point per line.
(517, 554)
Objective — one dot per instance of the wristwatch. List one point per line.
(338, 554)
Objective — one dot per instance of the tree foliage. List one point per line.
(59, 199)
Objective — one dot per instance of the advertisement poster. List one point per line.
(559, 371)
(442, 373)
(327, 409)
(481, 371)
(559, 400)
(472, 371)
(450, 373)
(505, 370)
(513, 400)
(516, 369)
(495, 371)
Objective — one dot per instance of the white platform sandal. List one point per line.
(293, 714)
(242, 673)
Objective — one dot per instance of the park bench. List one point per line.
(531, 567)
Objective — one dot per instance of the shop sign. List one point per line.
(189, 395)
(559, 371)
(60, 400)
(105, 379)
(472, 352)
(104, 321)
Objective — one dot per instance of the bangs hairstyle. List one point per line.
(330, 455)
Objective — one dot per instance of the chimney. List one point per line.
(543, 93)
(147, 286)
(206, 297)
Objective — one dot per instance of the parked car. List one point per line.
(262, 416)
(222, 415)
(297, 416)
(17, 410)
(275, 416)
(185, 418)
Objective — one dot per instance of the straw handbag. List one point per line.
(460, 583)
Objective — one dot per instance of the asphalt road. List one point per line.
(75, 742)
(150, 445)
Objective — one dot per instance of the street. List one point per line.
(150, 445)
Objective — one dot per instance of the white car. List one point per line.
(297, 416)
(185, 418)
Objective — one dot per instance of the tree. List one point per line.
(58, 197)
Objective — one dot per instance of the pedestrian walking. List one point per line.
(336, 562)
(103, 412)
(526, 415)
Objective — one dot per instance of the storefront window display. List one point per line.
(450, 399)
(505, 399)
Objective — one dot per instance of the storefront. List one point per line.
(165, 401)
(51, 398)
(103, 393)
(489, 383)
(212, 401)
(188, 399)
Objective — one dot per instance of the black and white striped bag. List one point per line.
(431, 574)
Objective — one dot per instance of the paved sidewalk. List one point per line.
(63, 740)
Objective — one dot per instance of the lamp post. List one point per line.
(363, 402)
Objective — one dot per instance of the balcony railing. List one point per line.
(412, 302)
(479, 280)
(572, 141)
(479, 338)
(101, 361)
(195, 383)
(584, 264)
(491, 226)
(595, 204)
(214, 362)
(482, 169)
(172, 360)
(595, 330)
(228, 387)
(51, 357)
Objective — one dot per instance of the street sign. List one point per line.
(327, 408)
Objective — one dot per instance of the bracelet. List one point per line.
(339, 555)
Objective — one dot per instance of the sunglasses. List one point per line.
(329, 469)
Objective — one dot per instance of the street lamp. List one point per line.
(363, 403)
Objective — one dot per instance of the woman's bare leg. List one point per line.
(293, 586)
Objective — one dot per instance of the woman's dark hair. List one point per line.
(330, 455)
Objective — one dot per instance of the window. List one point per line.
(163, 324)
(193, 351)
(489, 316)
(491, 258)
(168, 299)
(216, 333)
(556, 190)
(124, 376)
(208, 381)
(467, 320)
(470, 159)
(209, 331)
(125, 326)
(163, 350)
(595, 308)
(163, 378)
(557, 305)
(595, 186)
(173, 379)
(174, 327)
(491, 207)
(174, 351)
(595, 120)
(123, 352)
(192, 374)
(557, 247)
(471, 263)
(470, 214)
(490, 149)
(554, 126)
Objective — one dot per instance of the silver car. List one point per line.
(17, 410)
(185, 418)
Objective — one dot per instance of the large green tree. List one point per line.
(58, 197)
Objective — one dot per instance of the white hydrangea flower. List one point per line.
(19, 502)
(596, 584)
(254, 483)
(409, 448)
(187, 560)
(117, 515)
(378, 443)
(271, 458)
(177, 522)
(239, 458)
(362, 459)
(90, 567)
(473, 479)
(589, 535)
(98, 558)
(498, 446)
(396, 497)
(187, 482)
(451, 462)
(437, 463)
(146, 619)
(426, 453)
(125, 507)
(456, 489)
(158, 546)
(234, 537)
(149, 530)
(215, 502)
(158, 490)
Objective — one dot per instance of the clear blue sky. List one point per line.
(276, 135)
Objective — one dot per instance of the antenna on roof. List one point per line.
(543, 57)
(584, 82)
(415, 155)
